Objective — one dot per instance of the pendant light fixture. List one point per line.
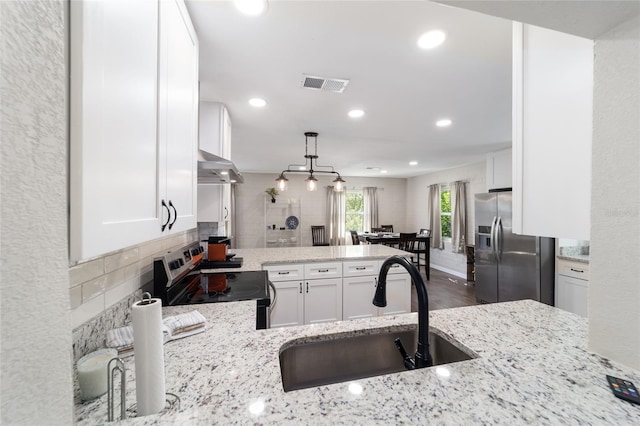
(308, 167)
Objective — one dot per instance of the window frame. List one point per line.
(444, 188)
(360, 213)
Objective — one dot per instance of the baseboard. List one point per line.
(449, 271)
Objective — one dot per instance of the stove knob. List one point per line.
(173, 265)
(181, 262)
(194, 252)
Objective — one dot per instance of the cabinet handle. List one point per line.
(300, 288)
(164, 225)
(307, 286)
(360, 268)
(322, 270)
(577, 270)
(175, 214)
(226, 212)
(283, 273)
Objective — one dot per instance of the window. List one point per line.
(355, 211)
(445, 211)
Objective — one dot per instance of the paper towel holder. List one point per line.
(111, 371)
(146, 299)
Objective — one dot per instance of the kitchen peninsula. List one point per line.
(532, 366)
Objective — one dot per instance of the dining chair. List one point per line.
(387, 228)
(354, 238)
(376, 230)
(420, 246)
(318, 236)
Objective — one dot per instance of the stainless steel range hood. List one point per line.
(216, 170)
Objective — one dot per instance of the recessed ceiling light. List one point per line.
(383, 171)
(302, 168)
(224, 172)
(257, 102)
(356, 113)
(431, 39)
(443, 123)
(251, 7)
(413, 163)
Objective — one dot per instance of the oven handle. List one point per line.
(275, 295)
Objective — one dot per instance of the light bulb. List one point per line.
(312, 183)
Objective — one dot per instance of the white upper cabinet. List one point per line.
(133, 123)
(215, 129)
(552, 131)
(178, 114)
(499, 169)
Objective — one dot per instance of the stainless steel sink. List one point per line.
(310, 364)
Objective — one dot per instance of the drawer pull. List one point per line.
(360, 268)
(283, 273)
(300, 288)
(577, 270)
(323, 270)
(307, 287)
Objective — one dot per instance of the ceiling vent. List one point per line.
(336, 85)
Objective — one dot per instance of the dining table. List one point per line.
(423, 242)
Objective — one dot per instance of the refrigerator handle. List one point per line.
(493, 239)
(499, 239)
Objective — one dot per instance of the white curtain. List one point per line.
(434, 217)
(370, 199)
(336, 212)
(459, 217)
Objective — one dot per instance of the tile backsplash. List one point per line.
(98, 284)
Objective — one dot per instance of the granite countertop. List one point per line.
(532, 367)
(582, 258)
(253, 259)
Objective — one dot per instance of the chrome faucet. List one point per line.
(423, 357)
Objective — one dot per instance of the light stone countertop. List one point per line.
(533, 367)
(582, 258)
(253, 259)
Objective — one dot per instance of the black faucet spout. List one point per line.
(422, 357)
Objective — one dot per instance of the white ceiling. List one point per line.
(403, 89)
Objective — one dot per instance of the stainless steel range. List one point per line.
(184, 277)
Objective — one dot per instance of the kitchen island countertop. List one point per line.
(254, 259)
(532, 367)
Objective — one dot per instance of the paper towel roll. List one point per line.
(149, 356)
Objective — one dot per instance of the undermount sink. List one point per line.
(335, 360)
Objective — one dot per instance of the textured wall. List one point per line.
(250, 204)
(614, 284)
(418, 212)
(34, 300)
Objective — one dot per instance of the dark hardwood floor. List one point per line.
(445, 291)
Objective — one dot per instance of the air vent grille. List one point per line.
(336, 85)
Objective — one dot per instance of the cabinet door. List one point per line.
(499, 169)
(178, 113)
(552, 130)
(322, 300)
(289, 307)
(357, 297)
(398, 295)
(114, 164)
(571, 295)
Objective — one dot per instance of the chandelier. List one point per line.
(308, 167)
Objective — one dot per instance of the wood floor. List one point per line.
(445, 291)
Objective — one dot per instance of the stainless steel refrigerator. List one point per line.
(509, 266)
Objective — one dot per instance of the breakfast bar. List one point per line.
(531, 365)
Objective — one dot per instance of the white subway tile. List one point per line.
(117, 293)
(114, 279)
(119, 260)
(86, 271)
(93, 288)
(75, 296)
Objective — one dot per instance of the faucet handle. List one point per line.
(407, 361)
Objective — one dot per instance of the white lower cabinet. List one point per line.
(322, 300)
(306, 301)
(398, 291)
(359, 285)
(572, 287)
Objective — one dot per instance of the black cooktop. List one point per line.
(223, 287)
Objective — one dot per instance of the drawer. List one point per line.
(394, 269)
(314, 271)
(573, 269)
(358, 268)
(288, 272)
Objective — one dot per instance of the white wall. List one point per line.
(250, 199)
(418, 211)
(614, 284)
(36, 385)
